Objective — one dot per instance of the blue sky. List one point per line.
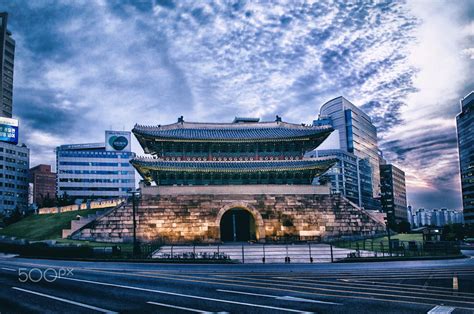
(85, 66)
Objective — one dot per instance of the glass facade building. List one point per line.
(393, 195)
(7, 56)
(14, 165)
(351, 176)
(89, 171)
(465, 132)
(357, 134)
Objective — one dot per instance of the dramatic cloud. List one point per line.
(83, 67)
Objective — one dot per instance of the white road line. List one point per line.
(66, 301)
(439, 309)
(178, 307)
(9, 269)
(183, 295)
(287, 298)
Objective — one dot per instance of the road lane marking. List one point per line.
(183, 295)
(265, 286)
(287, 298)
(439, 309)
(9, 269)
(247, 285)
(66, 301)
(179, 307)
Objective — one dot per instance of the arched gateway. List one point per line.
(240, 222)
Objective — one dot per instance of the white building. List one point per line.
(96, 170)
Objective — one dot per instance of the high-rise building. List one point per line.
(44, 184)
(393, 193)
(357, 134)
(351, 176)
(7, 56)
(14, 165)
(465, 127)
(97, 170)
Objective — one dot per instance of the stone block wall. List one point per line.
(189, 218)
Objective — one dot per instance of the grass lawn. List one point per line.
(125, 247)
(376, 245)
(43, 227)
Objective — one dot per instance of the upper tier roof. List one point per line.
(230, 131)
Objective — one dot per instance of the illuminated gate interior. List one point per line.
(237, 225)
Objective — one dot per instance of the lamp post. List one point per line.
(387, 224)
(136, 249)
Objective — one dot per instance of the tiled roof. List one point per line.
(156, 164)
(228, 132)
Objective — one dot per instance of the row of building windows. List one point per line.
(103, 189)
(10, 168)
(12, 186)
(89, 154)
(110, 172)
(96, 180)
(93, 164)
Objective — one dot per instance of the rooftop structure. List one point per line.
(245, 151)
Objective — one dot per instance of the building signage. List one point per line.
(9, 130)
(117, 141)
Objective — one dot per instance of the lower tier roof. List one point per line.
(232, 166)
(147, 166)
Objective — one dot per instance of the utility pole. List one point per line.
(387, 224)
(136, 249)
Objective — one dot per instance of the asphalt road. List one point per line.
(42, 286)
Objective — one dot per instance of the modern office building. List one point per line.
(465, 130)
(351, 176)
(96, 170)
(393, 193)
(357, 134)
(43, 182)
(14, 165)
(7, 56)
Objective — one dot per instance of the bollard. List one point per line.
(310, 257)
(332, 257)
(243, 257)
(217, 248)
(171, 251)
(263, 258)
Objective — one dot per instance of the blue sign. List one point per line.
(9, 130)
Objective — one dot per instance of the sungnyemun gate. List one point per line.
(240, 181)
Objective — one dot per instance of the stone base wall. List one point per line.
(189, 218)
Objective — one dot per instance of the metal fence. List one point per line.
(305, 252)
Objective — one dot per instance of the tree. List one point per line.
(15, 216)
(403, 226)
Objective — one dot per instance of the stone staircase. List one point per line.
(79, 223)
(112, 225)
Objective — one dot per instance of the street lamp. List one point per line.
(136, 248)
(387, 224)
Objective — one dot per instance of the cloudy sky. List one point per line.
(85, 66)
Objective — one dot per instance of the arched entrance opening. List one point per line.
(236, 225)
